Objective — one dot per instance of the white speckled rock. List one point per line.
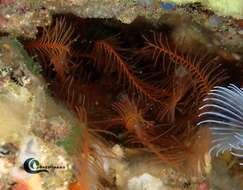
(145, 182)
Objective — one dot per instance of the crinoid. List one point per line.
(180, 86)
(197, 163)
(139, 128)
(205, 73)
(109, 58)
(87, 159)
(71, 92)
(53, 46)
(222, 112)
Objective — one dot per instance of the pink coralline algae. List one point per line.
(7, 2)
(203, 186)
(20, 186)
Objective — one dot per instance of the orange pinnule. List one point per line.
(88, 159)
(54, 39)
(108, 58)
(205, 73)
(54, 45)
(180, 86)
(82, 154)
(136, 125)
(130, 113)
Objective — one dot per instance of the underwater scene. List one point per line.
(121, 95)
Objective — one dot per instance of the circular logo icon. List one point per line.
(32, 166)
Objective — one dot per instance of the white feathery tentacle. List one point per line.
(222, 112)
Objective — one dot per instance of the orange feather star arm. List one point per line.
(109, 59)
(137, 126)
(205, 73)
(54, 44)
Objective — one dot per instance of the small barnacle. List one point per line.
(223, 113)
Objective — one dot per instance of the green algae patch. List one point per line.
(28, 61)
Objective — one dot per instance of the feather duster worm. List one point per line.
(222, 112)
